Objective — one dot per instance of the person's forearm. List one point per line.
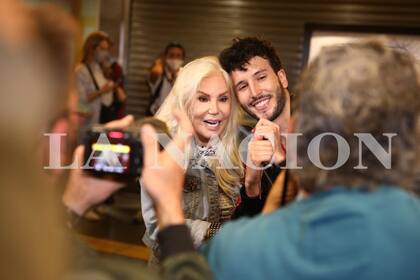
(76, 205)
(253, 183)
(169, 213)
(253, 190)
(94, 95)
(121, 96)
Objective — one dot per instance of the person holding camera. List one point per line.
(35, 242)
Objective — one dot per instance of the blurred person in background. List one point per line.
(163, 74)
(33, 240)
(114, 71)
(58, 31)
(202, 90)
(97, 95)
(32, 249)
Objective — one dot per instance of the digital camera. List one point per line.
(118, 152)
(113, 151)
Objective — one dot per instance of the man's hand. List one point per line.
(264, 148)
(267, 145)
(83, 190)
(157, 70)
(162, 175)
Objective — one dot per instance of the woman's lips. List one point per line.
(212, 124)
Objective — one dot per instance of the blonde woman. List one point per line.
(203, 90)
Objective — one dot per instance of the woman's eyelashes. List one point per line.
(224, 98)
(203, 98)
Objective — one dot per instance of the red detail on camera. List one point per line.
(116, 134)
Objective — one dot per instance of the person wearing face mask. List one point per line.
(113, 71)
(163, 74)
(96, 93)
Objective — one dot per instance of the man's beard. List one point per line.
(280, 96)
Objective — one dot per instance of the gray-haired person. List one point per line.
(357, 221)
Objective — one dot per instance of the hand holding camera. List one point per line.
(162, 175)
(102, 178)
(84, 190)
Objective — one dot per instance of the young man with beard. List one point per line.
(261, 86)
(353, 223)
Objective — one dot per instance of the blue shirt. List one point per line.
(337, 234)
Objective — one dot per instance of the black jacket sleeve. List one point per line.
(179, 258)
(251, 206)
(174, 240)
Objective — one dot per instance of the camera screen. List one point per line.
(113, 158)
(113, 152)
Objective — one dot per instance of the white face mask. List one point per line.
(174, 64)
(102, 56)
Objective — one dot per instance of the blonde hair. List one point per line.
(181, 97)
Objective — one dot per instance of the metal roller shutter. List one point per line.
(205, 27)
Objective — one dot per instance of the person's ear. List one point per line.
(281, 74)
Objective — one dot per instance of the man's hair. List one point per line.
(244, 49)
(361, 87)
(172, 45)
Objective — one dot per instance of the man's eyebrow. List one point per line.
(259, 72)
(255, 74)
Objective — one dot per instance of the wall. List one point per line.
(86, 12)
(113, 20)
(207, 26)
(89, 15)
